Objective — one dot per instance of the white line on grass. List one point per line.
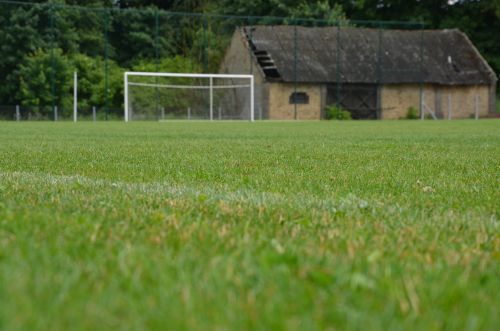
(348, 203)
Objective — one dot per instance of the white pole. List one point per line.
(220, 113)
(252, 111)
(55, 114)
(125, 101)
(93, 114)
(75, 96)
(170, 74)
(449, 106)
(189, 113)
(211, 98)
(18, 113)
(162, 113)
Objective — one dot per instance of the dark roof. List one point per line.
(449, 57)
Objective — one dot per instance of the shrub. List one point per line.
(411, 113)
(337, 113)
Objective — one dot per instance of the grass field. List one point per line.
(241, 226)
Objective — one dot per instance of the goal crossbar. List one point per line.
(211, 86)
(194, 87)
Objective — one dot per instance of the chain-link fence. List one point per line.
(303, 69)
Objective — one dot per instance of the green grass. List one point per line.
(241, 226)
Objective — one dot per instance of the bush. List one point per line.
(337, 113)
(412, 113)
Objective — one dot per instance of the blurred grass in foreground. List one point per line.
(234, 226)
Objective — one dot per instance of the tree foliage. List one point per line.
(42, 75)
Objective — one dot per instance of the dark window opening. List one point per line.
(359, 99)
(299, 98)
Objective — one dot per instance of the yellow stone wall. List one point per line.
(460, 100)
(280, 107)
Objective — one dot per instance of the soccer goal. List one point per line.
(168, 96)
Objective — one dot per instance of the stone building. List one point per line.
(374, 74)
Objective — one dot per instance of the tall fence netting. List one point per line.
(302, 68)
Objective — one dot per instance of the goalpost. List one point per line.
(158, 95)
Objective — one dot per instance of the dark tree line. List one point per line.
(41, 45)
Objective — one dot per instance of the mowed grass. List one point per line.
(250, 226)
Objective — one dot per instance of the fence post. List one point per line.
(422, 103)
(379, 72)
(220, 113)
(295, 67)
(211, 98)
(337, 46)
(189, 113)
(449, 106)
(125, 97)
(56, 117)
(250, 42)
(206, 45)
(18, 113)
(52, 56)
(157, 63)
(421, 85)
(162, 113)
(476, 107)
(252, 101)
(93, 114)
(75, 96)
(106, 64)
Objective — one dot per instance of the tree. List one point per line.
(45, 80)
(324, 9)
(41, 28)
(23, 32)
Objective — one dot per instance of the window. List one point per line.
(299, 98)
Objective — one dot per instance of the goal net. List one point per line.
(168, 96)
